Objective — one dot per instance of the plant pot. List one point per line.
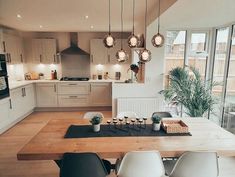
(156, 127)
(96, 128)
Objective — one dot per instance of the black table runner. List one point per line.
(86, 131)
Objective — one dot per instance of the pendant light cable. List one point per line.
(121, 22)
(159, 5)
(145, 19)
(109, 20)
(133, 18)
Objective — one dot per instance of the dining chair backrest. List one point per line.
(141, 164)
(196, 164)
(90, 115)
(82, 165)
(127, 114)
(162, 114)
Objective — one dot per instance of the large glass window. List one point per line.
(175, 51)
(229, 106)
(198, 51)
(221, 45)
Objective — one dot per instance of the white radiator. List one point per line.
(143, 107)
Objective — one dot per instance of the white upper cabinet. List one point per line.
(13, 47)
(99, 53)
(102, 55)
(41, 51)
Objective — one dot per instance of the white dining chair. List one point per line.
(196, 164)
(90, 115)
(127, 114)
(141, 164)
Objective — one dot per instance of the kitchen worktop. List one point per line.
(17, 84)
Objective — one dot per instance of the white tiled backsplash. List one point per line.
(16, 72)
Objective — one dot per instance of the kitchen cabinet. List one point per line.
(100, 94)
(4, 116)
(99, 53)
(73, 100)
(15, 108)
(103, 55)
(22, 101)
(41, 51)
(73, 88)
(73, 94)
(46, 95)
(13, 47)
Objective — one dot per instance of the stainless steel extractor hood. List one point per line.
(74, 49)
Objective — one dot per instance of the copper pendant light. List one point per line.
(133, 40)
(121, 54)
(109, 40)
(158, 39)
(145, 54)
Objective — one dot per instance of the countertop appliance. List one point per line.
(4, 86)
(74, 79)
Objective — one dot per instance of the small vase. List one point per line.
(96, 128)
(156, 127)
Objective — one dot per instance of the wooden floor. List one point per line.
(15, 138)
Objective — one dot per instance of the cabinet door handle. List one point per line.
(24, 92)
(92, 58)
(21, 58)
(109, 58)
(10, 103)
(55, 88)
(40, 58)
(72, 84)
(90, 87)
(9, 58)
(4, 46)
(73, 96)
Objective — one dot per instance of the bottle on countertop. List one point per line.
(52, 75)
(106, 75)
(55, 75)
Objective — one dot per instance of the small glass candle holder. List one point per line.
(140, 122)
(145, 119)
(115, 123)
(133, 122)
(126, 118)
(109, 123)
(128, 125)
(120, 120)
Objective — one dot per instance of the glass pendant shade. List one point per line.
(145, 55)
(109, 41)
(121, 56)
(158, 40)
(133, 41)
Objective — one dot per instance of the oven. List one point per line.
(4, 85)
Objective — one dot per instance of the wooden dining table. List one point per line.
(50, 144)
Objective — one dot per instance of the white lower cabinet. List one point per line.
(19, 105)
(101, 94)
(5, 106)
(46, 95)
(73, 100)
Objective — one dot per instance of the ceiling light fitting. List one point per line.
(133, 40)
(109, 40)
(158, 39)
(121, 54)
(145, 54)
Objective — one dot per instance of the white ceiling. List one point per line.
(199, 14)
(69, 15)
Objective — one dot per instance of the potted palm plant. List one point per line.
(95, 121)
(156, 122)
(187, 88)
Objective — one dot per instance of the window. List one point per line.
(175, 52)
(198, 51)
